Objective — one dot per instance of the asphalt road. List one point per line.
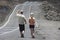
(10, 31)
(46, 30)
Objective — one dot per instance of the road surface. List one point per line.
(46, 30)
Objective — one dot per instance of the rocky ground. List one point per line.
(51, 12)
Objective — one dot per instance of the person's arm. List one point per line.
(25, 20)
(17, 13)
(34, 20)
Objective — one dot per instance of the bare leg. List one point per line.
(22, 34)
(32, 33)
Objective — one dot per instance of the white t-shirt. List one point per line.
(21, 19)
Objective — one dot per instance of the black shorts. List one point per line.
(31, 26)
(21, 27)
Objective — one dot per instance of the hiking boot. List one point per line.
(33, 36)
(22, 36)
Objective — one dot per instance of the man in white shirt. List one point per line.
(22, 22)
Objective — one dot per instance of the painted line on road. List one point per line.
(10, 31)
(9, 18)
(11, 15)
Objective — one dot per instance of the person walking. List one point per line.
(32, 24)
(22, 22)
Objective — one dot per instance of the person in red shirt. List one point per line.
(32, 24)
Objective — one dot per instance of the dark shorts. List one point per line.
(21, 27)
(31, 26)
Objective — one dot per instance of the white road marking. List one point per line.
(9, 31)
(8, 18)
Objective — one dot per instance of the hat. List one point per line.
(31, 14)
